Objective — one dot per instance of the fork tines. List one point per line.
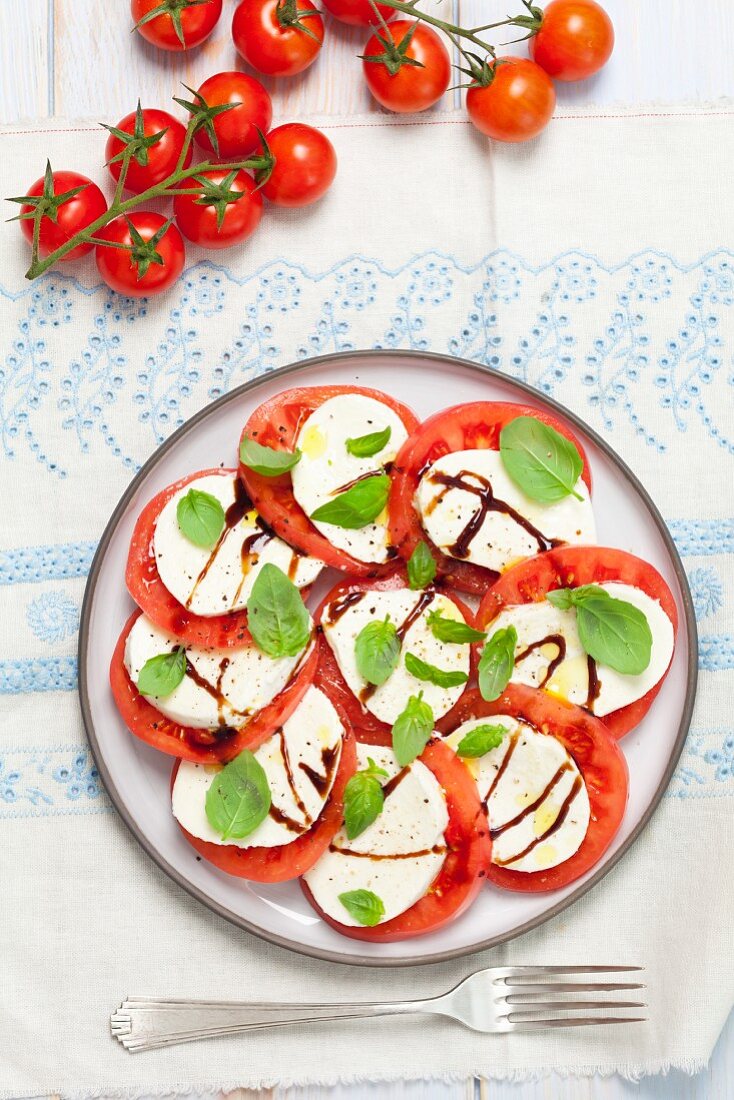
(539, 1002)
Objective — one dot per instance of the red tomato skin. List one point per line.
(162, 157)
(271, 48)
(197, 23)
(367, 727)
(236, 130)
(148, 724)
(517, 105)
(575, 40)
(464, 870)
(358, 13)
(150, 594)
(288, 861)
(116, 267)
(276, 423)
(305, 165)
(241, 218)
(411, 88)
(598, 758)
(571, 567)
(463, 427)
(73, 216)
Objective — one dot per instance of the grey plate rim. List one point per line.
(348, 359)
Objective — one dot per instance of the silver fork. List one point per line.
(500, 999)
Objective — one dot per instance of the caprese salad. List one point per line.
(397, 749)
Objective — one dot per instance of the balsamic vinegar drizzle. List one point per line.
(551, 639)
(562, 815)
(252, 546)
(322, 783)
(215, 690)
(532, 806)
(342, 604)
(487, 503)
(424, 600)
(594, 683)
(362, 477)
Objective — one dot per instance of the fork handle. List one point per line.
(145, 1024)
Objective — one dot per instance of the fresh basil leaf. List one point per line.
(357, 506)
(200, 518)
(412, 730)
(453, 630)
(161, 675)
(377, 651)
(615, 633)
(276, 614)
(496, 663)
(432, 675)
(363, 799)
(266, 460)
(364, 906)
(238, 799)
(481, 739)
(364, 446)
(541, 461)
(421, 567)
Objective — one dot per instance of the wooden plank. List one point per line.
(132, 68)
(25, 60)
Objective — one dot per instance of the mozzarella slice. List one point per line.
(536, 798)
(399, 855)
(403, 606)
(327, 468)
(472, 487)
(540, 625)
(213, 582)
(222, 687)
(300, 761)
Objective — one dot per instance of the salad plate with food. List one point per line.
(386, 657)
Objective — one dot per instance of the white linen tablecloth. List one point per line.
(594, 264)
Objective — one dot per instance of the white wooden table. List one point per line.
(52, 53)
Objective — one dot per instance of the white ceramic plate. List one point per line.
(137, 777)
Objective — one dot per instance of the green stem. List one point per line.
(451, 29)
(165, 189)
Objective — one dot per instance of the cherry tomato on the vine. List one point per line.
(175, 24)
(152, 259)
(278, 37)
(305, 165)
(397, 84)
(516, 104)
(358, 13)
(73, 202)
(153, 158)
(236, 129)
(575, 39)
(226, 211)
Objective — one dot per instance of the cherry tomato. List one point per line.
(358, 13)
(575, 40)
(517, 103)
(219, 223)
(179, 24)
(275, 37)
(155, 259)
(236, 129)
(151, 162)
(305, 165)
(80, 209)
(411, 88)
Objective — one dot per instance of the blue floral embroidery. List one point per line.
(29, 564)
(53, 616)
(56, 780)
(722, 759)
(708, 756)
(80, 779)
(707, 591)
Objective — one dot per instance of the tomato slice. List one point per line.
(287, 861)
(475, 426)
(367, 727)
(598, 758)
(572, 567)
(201, 746)
(276, 423)
(464, 869)
(149, 592)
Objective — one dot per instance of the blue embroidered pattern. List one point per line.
(59, 780)
(52, 617)
(29, 564)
